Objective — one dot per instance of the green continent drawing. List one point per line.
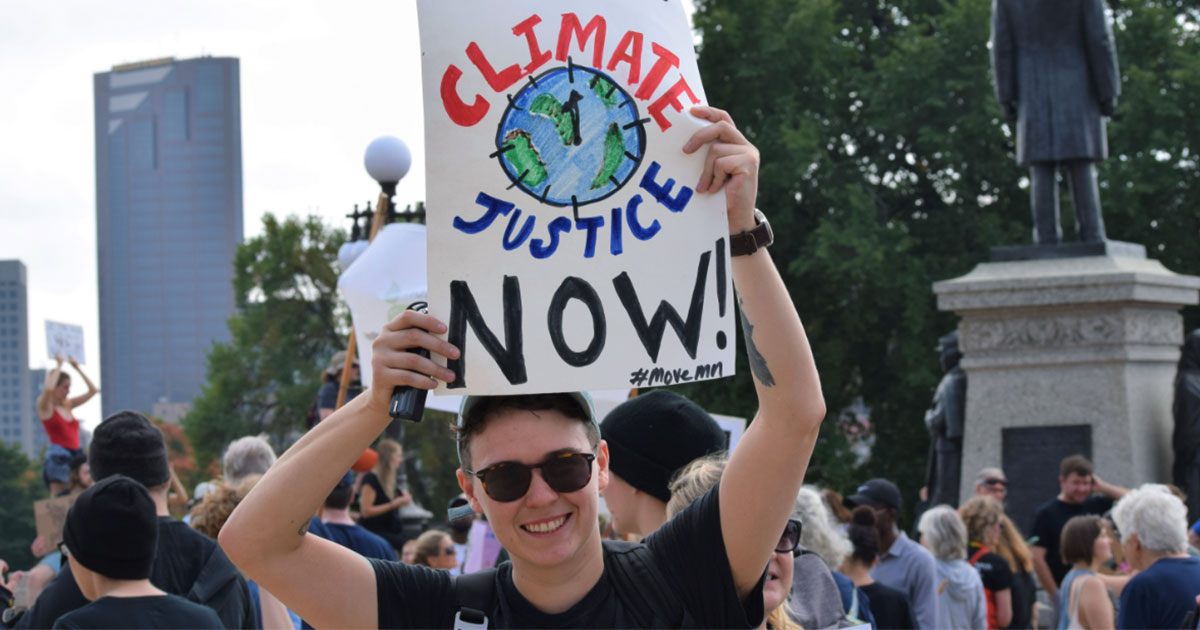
(614, 154)
(564, 122)
(605, 89)
(524, 157)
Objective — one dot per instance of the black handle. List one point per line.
(409, 402)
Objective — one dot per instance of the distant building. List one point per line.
(168, 222)
(15, 404)
(37, 382)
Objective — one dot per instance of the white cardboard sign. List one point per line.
(65, 340)
(567, 247)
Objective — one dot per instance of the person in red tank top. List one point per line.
(54, 407)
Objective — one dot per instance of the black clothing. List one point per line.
(153, 611)
(688, 551)
(890, 607)
(187, 563)
(1024, 593)
(1048, 523)
(1186, 437)
(388, 524)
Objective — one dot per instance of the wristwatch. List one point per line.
(753, 240)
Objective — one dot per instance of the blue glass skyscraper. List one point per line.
(168, 222)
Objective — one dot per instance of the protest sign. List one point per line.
(567, 247)
(65, 340)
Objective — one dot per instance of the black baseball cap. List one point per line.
(875, 493)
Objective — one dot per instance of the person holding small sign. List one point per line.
(55, 409)
(535, 466)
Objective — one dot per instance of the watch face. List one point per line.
(571, 136)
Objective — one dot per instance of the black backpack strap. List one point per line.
(475, 596)
(642, 588)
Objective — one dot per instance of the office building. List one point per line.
(16, 406)
(168, 222)
(37, 382)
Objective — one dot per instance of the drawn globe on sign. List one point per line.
(570, 137)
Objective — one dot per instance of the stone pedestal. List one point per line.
(1063, 354)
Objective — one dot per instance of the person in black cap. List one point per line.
(188, 563)
(649, 439)
(109, 540)
(903, 563)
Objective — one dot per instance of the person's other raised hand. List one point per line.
(732, 162)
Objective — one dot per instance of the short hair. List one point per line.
(1077, 464)
(210, 514)
(1077, 542)
(248, 455)
(429, 544)
(694, 480)
(943, 533)
(989, 473)
(474, 422)
(1157, 517)
(340, 497)
(817, 533)
(978, 514)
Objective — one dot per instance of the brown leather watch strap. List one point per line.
(750, 241)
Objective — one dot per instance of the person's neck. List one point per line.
(652, 514)
(1062, 496)
(337, 517)
(108, 587)
(1093, 566)
(887, 538)
(556, 588)
(857, 572)
(160, 502)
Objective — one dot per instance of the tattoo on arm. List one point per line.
(303, 528)
(758, 364)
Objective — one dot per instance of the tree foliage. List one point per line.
(289, 322)
(20, 485)
(887, 165)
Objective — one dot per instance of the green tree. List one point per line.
(289, 322)
(887, 166)
(20, 486)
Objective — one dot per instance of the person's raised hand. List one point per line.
(73, 362)
(58, 360)
(38, 546)
(392, 365)
(731, 162)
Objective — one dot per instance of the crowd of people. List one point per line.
(699, 537)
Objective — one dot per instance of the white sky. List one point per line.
(319, 81)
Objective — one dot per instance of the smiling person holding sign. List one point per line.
(55, 409)
(535, 465)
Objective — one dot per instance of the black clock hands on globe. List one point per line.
(571, 108)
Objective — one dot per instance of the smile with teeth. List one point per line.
(545, 527)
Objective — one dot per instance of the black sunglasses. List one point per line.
(995, 482)
(509, 481)
(790, 540)
(448, 551)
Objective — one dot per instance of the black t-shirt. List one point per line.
(155, 611)
(688, 551)
(1048, 523)
(186, 563)
(993, 569)
(890, 607)
(386, 523)
(1024, 592)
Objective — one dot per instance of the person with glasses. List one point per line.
(435, 549)
(535, 466)
(697, 479)
(991, 482)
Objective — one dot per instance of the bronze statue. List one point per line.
(1187, 424)
(1055, 66)
(945, 420)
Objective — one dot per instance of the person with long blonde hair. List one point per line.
(983, 519)
(380, 499)
(55, 408)
(694, 481)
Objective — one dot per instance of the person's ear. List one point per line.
(467, 483)
(602, 465)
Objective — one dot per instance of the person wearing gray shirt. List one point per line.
(903, 564)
